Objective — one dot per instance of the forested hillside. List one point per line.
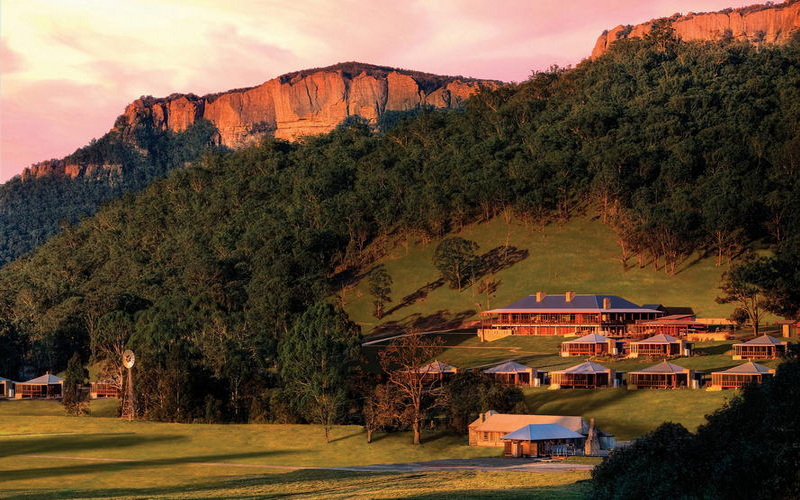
(678, 147)
(33, 209)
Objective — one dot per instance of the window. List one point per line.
(485, 436)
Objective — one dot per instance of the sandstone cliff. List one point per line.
(298, 104)
(773, 24)
(305, 103)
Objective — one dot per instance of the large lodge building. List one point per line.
(567, 314)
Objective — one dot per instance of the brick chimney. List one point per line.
(606, 303)
(540, 296)
(568, 296)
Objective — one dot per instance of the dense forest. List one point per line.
(32, 210)
(210, 273)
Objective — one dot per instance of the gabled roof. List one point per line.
(46, 379)
(659, 339)
(542, 432)
(508, 367)
(437, 367)
(585, 303)
(763, 340)
(663, 367)
(585, 367)
(507, 422)
(748, 368)
(592, 338)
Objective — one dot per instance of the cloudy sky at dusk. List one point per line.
(69, 67)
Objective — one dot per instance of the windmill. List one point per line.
(128, 409)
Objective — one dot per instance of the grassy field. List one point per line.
(579, 255)
(45, 454)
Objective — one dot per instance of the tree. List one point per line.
(74, 398)
(413, 390)
(380, 287)
(316, 359)
(380, 410)
(455, 257)
(744, 285)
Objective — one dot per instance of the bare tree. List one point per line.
(413, 388)
(380, 410)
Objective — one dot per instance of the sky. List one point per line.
(69, 67)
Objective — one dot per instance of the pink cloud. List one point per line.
(10, 61)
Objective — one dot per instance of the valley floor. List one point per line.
(45, 454)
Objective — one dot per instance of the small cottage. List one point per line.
(513, 373)
(587, 375)
(660, 345)
(664, 375)
(740, 376)
(762, 347)
(593, 344)
(437, 372)
(47, 386)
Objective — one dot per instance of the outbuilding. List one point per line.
(587, 375)
(593, 344)
(664, 375)
(47, 386)
(6, 388)
(660, 345)
(103, 389)
(542, 440)
(740, 376)
(762, 347)
(513, 373)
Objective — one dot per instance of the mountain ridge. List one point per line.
(760, 23)
(293, 105)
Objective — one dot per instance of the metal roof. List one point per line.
(509, 422)
(508, 367)
(592, 338)
(542, 432)
(659, 339)
(579, 303)
(663, 367)
(763, 340)
(46, 379)
(748, 368)
(585, 367)
(437, 367)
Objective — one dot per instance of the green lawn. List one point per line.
(38, 444)
(579, 255)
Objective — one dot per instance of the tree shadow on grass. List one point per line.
(420, 294)
(66, 444)
(100, 467)
(440, 320)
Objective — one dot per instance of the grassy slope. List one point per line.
(162, 457)
(578, 255)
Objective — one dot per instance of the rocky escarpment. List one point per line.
(304, 103)
(298, 104)
(773, 24)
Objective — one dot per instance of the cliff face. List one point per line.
(288, 107)
(305, 103)
(773, 24)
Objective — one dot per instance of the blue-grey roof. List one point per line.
(579, 303)
(46, 379)
(763, 340)
(748, 368)
(587, 367)
(508, 367)
(542, 432)
(592, 338)
(663, 367)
